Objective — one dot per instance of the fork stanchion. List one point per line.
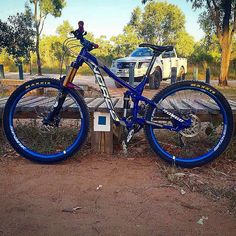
(173, 76)
(208, 75)
(131, 74)
(2, 75)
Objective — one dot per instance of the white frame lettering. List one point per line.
(104, 91)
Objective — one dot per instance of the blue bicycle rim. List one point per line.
(31, 152)
(212, 150)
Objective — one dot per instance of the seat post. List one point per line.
(154, 57)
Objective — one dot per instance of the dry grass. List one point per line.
(3, 143)
(4, 90)
(229, 92)
(215, 180)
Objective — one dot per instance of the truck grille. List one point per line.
(124, 65)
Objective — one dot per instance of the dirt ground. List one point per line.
(93, 194)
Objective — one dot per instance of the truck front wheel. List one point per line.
(181, 75)
(155, 79)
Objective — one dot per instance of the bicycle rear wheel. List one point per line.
(211, 124)
(29, 130)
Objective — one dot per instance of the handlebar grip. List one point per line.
(81, 26)
(79, 33)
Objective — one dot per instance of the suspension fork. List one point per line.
(61, 97)
(70, 75)
(74, 68)
(65, 82)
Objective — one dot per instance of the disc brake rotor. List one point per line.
(194, 129)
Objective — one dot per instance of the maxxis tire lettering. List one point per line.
(224, 139)
(16, 143)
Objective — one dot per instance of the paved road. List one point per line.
(90, 80)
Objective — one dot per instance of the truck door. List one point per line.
(174, 59)
(166, 61)
(169, 60)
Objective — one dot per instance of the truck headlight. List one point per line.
(143, 65)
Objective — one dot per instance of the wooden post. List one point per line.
(131, 74)
(21, 75)
(208, 75)
(2, 75)
(102, 141)
(173, 75)
(195, 73)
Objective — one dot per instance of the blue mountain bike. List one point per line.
(176, 126)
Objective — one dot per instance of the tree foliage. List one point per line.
(53, 7)
(161, 22)
(141, 28)
(125, 43)
(5, 35)
(144, 1)
(184, 44)
(17, 35)
(51, 49)
(42, 8)
(136, 19)
(219, 18)
(64, 29)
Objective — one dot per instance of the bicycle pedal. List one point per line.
(124, 146)
(130, 135)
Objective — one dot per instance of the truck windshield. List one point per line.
(142, 52)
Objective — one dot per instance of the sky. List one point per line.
(101, 17)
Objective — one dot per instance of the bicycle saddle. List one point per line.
(157, 48)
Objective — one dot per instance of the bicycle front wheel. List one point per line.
(211, 124)
(30, 131)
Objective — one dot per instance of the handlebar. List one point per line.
(80, 33)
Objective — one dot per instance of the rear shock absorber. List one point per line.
(126, 104)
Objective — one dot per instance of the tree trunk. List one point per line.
(37, 24)
(226, 46)
(38, 54)
(225, 42)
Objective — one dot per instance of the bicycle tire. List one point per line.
(172, 146)
(17, 130)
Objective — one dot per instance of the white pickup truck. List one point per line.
(141, 58)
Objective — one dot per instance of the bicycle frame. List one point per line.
(134, 92)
